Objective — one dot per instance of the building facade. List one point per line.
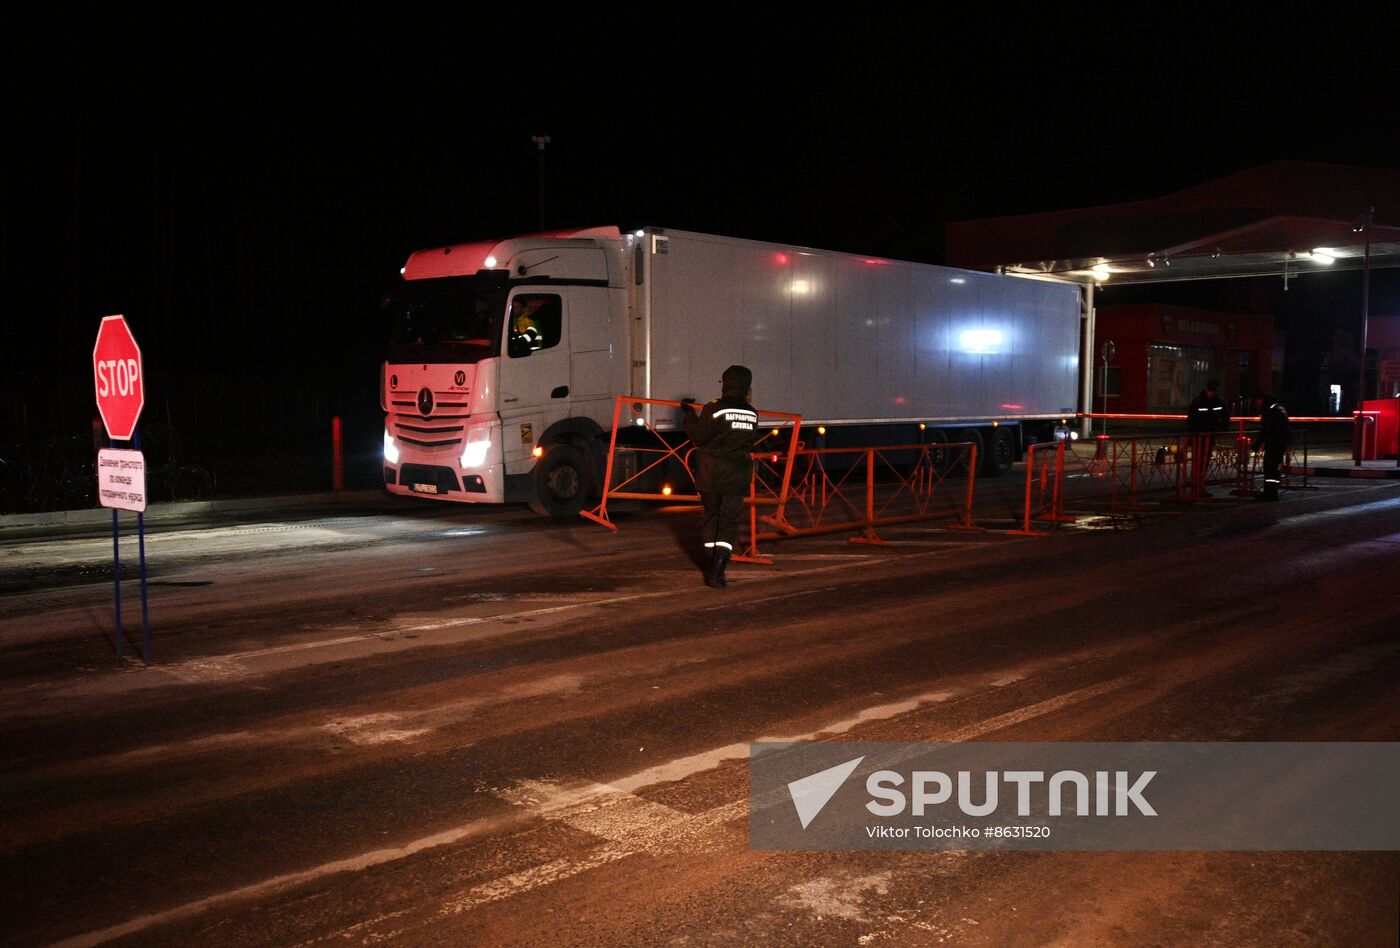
(1163, 355)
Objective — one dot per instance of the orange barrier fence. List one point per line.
(795, 491)
(837, 490)
(1360, 422)
(1252, 419)
(1130, 475)
(631, 467)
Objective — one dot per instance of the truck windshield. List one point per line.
(452, 320)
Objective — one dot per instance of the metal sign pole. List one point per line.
(141, 546)
(119, 387)
(117, 576)
(1306, 485)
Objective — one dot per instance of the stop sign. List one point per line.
(116, 373)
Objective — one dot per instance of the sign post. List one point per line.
(120, 385)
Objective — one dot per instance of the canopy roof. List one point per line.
(1284, 218)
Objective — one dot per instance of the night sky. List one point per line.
(244, 186)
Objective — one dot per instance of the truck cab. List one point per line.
(502, 363)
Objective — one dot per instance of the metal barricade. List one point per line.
(857, 490)
(1133, 474)
(1128, 475)
(657, 451)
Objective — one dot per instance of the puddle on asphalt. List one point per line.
(1103, 522)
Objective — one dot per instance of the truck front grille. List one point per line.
(430, 444)
(443, 428)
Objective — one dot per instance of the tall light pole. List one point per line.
(1366, 220)
(1086, 378)
(541, 141)
(1360, 432)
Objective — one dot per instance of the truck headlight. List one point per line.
(391, 450)
(475, 455)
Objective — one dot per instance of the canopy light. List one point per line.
(1324, 255)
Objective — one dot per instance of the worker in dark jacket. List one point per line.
(1207, 413)
(1205, 416)
(1275, 434)
(723, 435)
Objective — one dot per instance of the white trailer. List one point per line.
(507, 356)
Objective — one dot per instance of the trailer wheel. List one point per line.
(960, 466)
(561, 482)
(942, 461)
(1001, 453)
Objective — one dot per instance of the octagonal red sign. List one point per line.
(117, 377)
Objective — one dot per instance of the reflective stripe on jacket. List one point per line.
(723, 435)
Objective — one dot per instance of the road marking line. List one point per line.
(1039, 709)
(372, 729)
(533, 878)
(629, 824)
(193, 669)
(754, 602)
(278, 883)
(552, 801)
(612, 812)
(973, 731)
(343, 934)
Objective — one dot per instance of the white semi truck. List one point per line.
(507, 356)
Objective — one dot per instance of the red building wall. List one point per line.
(1164, 355)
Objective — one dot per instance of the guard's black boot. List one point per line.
(715, 577)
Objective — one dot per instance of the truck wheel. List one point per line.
(942, 461)
(561, 482)
(960, 466)
(1001, 453)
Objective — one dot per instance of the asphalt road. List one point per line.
(444, 725)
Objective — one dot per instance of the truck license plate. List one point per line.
(425, 488)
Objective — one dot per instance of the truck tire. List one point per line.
(1000, 454)
(561, 482)
(941, 460)
(959, 468)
